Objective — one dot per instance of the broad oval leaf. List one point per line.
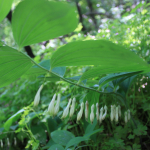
(61, 137)
(114, 76)
(5, 6)
(12, 119)
(76, 141)
(13, 65)
(35, 21)
(56, 147)
(97, 71)
(94, 52)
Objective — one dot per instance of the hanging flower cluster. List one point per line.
(101, 113)
(8, 142)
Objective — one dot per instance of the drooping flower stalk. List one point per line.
(101, 115)
(51, 106)
(66, 110)
(56, 109)
(80, 112)
(92, 114)
(86, 110)
(37, 96)
(72, 109)
(97, 111)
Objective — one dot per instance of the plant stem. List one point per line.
(79, 85)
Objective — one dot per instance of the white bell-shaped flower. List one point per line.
(86, 110)
(101, 115)
(112, 113)
(92, 114)
(56, 109)
(104, 115)
(80, 112)
(116, 115)
(51, 106)
(2, 144)
(129, 116)
(119, 111)
(126, 117)
(66, 110)
(37, 96)
(15, 141)
(72, 109)
(97, 111)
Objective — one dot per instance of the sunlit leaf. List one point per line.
(95, 52)
(12, 119)
(35, 21)
(13, 65)
(5, 6)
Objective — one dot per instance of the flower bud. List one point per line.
(101, 115)
(15, 141)
(72, 109)
(2, 144)
(128, 114)
(119, 111)
(56, 109)
(86, 110)
(66, 110)
(51, 106)
(80, 112)
(105, 107)
(8, 143)
(116, 115)
(92, 114)
(37, 96)
(97, 111)
(126, 117)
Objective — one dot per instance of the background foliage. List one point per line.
(118, 74)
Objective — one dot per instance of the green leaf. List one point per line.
(97, 71)
(141, 130)
(56, 147)
(40, 20)
(5, 6)
(93, 132)
(39, 133)
(95, 52)
(75, 141)
(136, 147)
(131, 136)
(126, 84)
(13, 65)
(12, 119)
(90, 127)
(61, 137)
(111, 77)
